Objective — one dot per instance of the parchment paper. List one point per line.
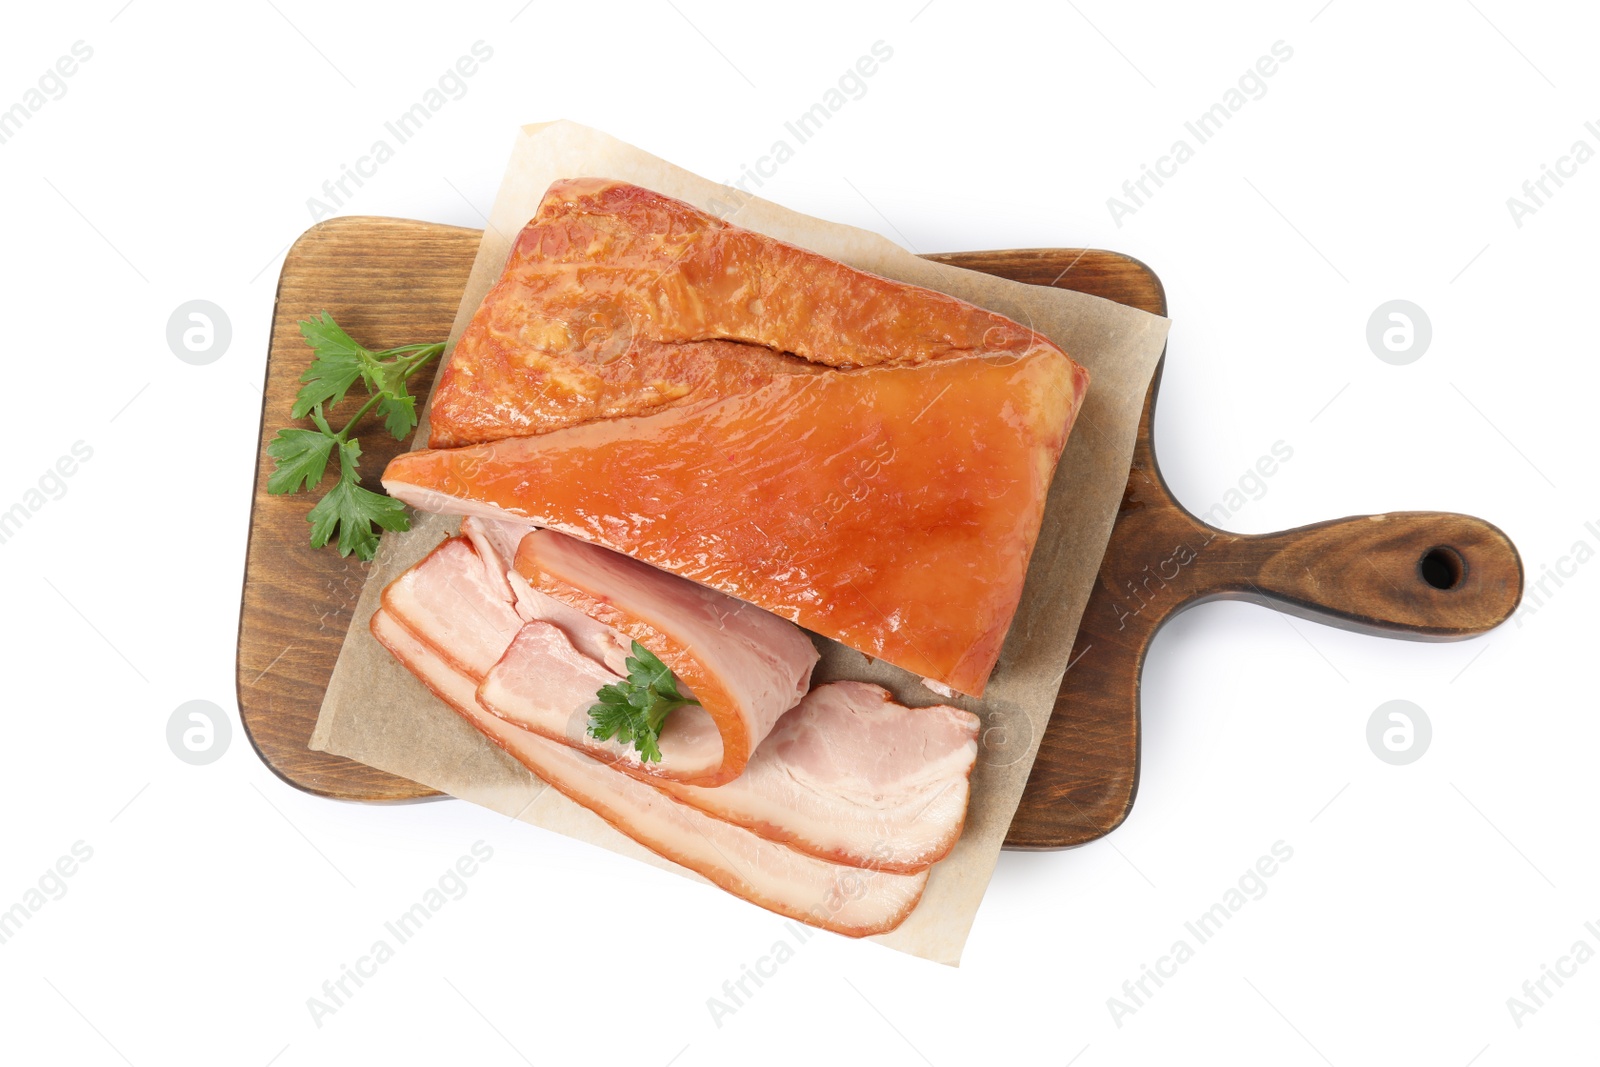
(377, 713)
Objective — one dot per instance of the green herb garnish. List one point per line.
(635, 709)
(301, 456)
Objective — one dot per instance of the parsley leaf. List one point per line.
(399, 415)
(352, 510)
(635, 709)
(334, 369)
(301, 456)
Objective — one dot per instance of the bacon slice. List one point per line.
(496, 545)
(850, 776)
(453, 596)
(847, 900)
(544, 684)
(847, 775)
(745, 666)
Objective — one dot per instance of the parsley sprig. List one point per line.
(634, 709)
(301, 456)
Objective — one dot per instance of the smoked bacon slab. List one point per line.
(863, 457)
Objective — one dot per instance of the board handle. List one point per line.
(1426, 575)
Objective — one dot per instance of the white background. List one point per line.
(1377, 166)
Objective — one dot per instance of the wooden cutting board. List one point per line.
(1424, 575)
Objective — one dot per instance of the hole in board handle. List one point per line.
(1442, 567)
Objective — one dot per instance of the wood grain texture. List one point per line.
(1363, 573)
(392, 282)
(389, 282)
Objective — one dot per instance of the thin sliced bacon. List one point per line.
(545, 684)
(847, 775)
(453, 596)
(848, 900)
(850, 776)
(496, 543)
(746, 666)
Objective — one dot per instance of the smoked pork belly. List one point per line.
(543, 683)
(746, 666)
(617, 301)
(893, 509)
(848, 900)
(496, 545)
(452, 596)
(750, 667)
(847, 775)
(865, 458)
